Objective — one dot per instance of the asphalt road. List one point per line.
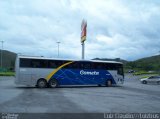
(132, 97)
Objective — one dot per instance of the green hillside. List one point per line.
(8, 60)
(147, 64)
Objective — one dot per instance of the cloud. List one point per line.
(120, 28)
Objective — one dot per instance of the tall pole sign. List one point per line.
(83, 35)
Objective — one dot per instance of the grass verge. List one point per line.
(7, 73)
(144, 72)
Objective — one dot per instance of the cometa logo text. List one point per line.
(82, 72)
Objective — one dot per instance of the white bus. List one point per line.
(48, 72)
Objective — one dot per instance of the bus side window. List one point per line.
(110, 66)
(51, 64)
(85, 65)
(60, 63)
(73, 65)
(43, 64)
(35, 63)
(99, 66)
(25, 62)
(81, 65)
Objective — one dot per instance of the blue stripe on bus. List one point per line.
(80, 77)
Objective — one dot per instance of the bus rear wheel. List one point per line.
(109, 83)
(53, 83)
(41, 83)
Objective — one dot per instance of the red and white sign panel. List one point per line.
(83, 30)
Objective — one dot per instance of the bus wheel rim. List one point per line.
(53, 83)
(41, 84)
(109, 83)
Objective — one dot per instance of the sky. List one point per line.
(126, 29)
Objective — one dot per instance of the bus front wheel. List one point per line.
(53, 83)
(41, 83)
(109, 83)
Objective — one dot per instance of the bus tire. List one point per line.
(41, 83)
(109, 83)
(53, 83)
(99, 85)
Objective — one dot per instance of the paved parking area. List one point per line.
(132, 97)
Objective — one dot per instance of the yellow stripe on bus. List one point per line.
(57, 69)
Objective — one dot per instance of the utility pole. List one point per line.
(83, 50)
(1, 54)
(58, 47)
